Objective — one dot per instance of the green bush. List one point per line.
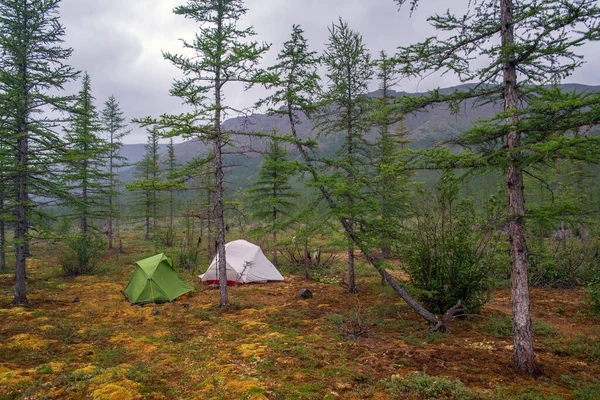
(447, 252)
(593, 289)
(421, 385)
(166, 236)
(83, 255)
(553, 266)
(188, 258)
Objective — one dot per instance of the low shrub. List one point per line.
(421, 385)
(593, 290)
(448, 252)
(188, 258)
(84, 254)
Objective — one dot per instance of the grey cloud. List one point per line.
(119, 43)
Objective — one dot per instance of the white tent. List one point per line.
(245, 263)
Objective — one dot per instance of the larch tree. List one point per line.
(296, 87)
(525, 47)
(85, 159)
(33, 70)
(171, 174)
(147, 182)
(114, 125)
(391, 176)
(271, 195)
(345, 109)
(223, 54)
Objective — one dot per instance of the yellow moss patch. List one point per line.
(252, 349)
(244, 387)
(485, 345)
(253, 326)
(56, 366)
(46, 328)
(121, 390)
(249, 311)
(28, 341)
(274, 335)
(12, 378)
(85, 370)
(110, 374)
(18, 311)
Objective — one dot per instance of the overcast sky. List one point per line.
(119, 43)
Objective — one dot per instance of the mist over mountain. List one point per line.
(426, 127)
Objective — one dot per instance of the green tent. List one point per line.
(155, 280)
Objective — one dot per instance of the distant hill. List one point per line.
(427, 127)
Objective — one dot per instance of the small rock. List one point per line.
(154, 311)
(75, 299)
(305, 294)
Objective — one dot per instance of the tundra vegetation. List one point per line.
(462, 266)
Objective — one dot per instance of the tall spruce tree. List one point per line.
(346, 108)
(223, 54)
(271, 194)
(32, 71)
(296, 87)
(537, 47)
(116, 128)
(85, 159)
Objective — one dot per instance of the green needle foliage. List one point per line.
(271, 194)
(536, 50)
(116, 128)
(33, 70)
(86, 178)
(224, 54)
(85, 160)
(346, 108)
(447, 250)
(390, 179)
(297, 86)
(148, 183)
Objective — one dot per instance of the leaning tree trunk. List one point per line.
(524, 358)
(371, 258)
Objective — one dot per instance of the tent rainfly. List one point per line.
(155, 281)
(246, 263)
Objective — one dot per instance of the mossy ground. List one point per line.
(271, 345)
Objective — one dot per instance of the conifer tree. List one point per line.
(390, 173)
(32, 71)
(296, 85)
(171, 174)
(346, 107)
(271, 194)
(85, 159)
(114, 124)
(147, 182)
(223, 53)
(536, 50)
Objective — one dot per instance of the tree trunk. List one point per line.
(222, 263)
(275, 248)
(21, 218)
(219, 175)
(351, 277)
(147, 236)
(371, 258)
(524, 358)
(111, 194)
